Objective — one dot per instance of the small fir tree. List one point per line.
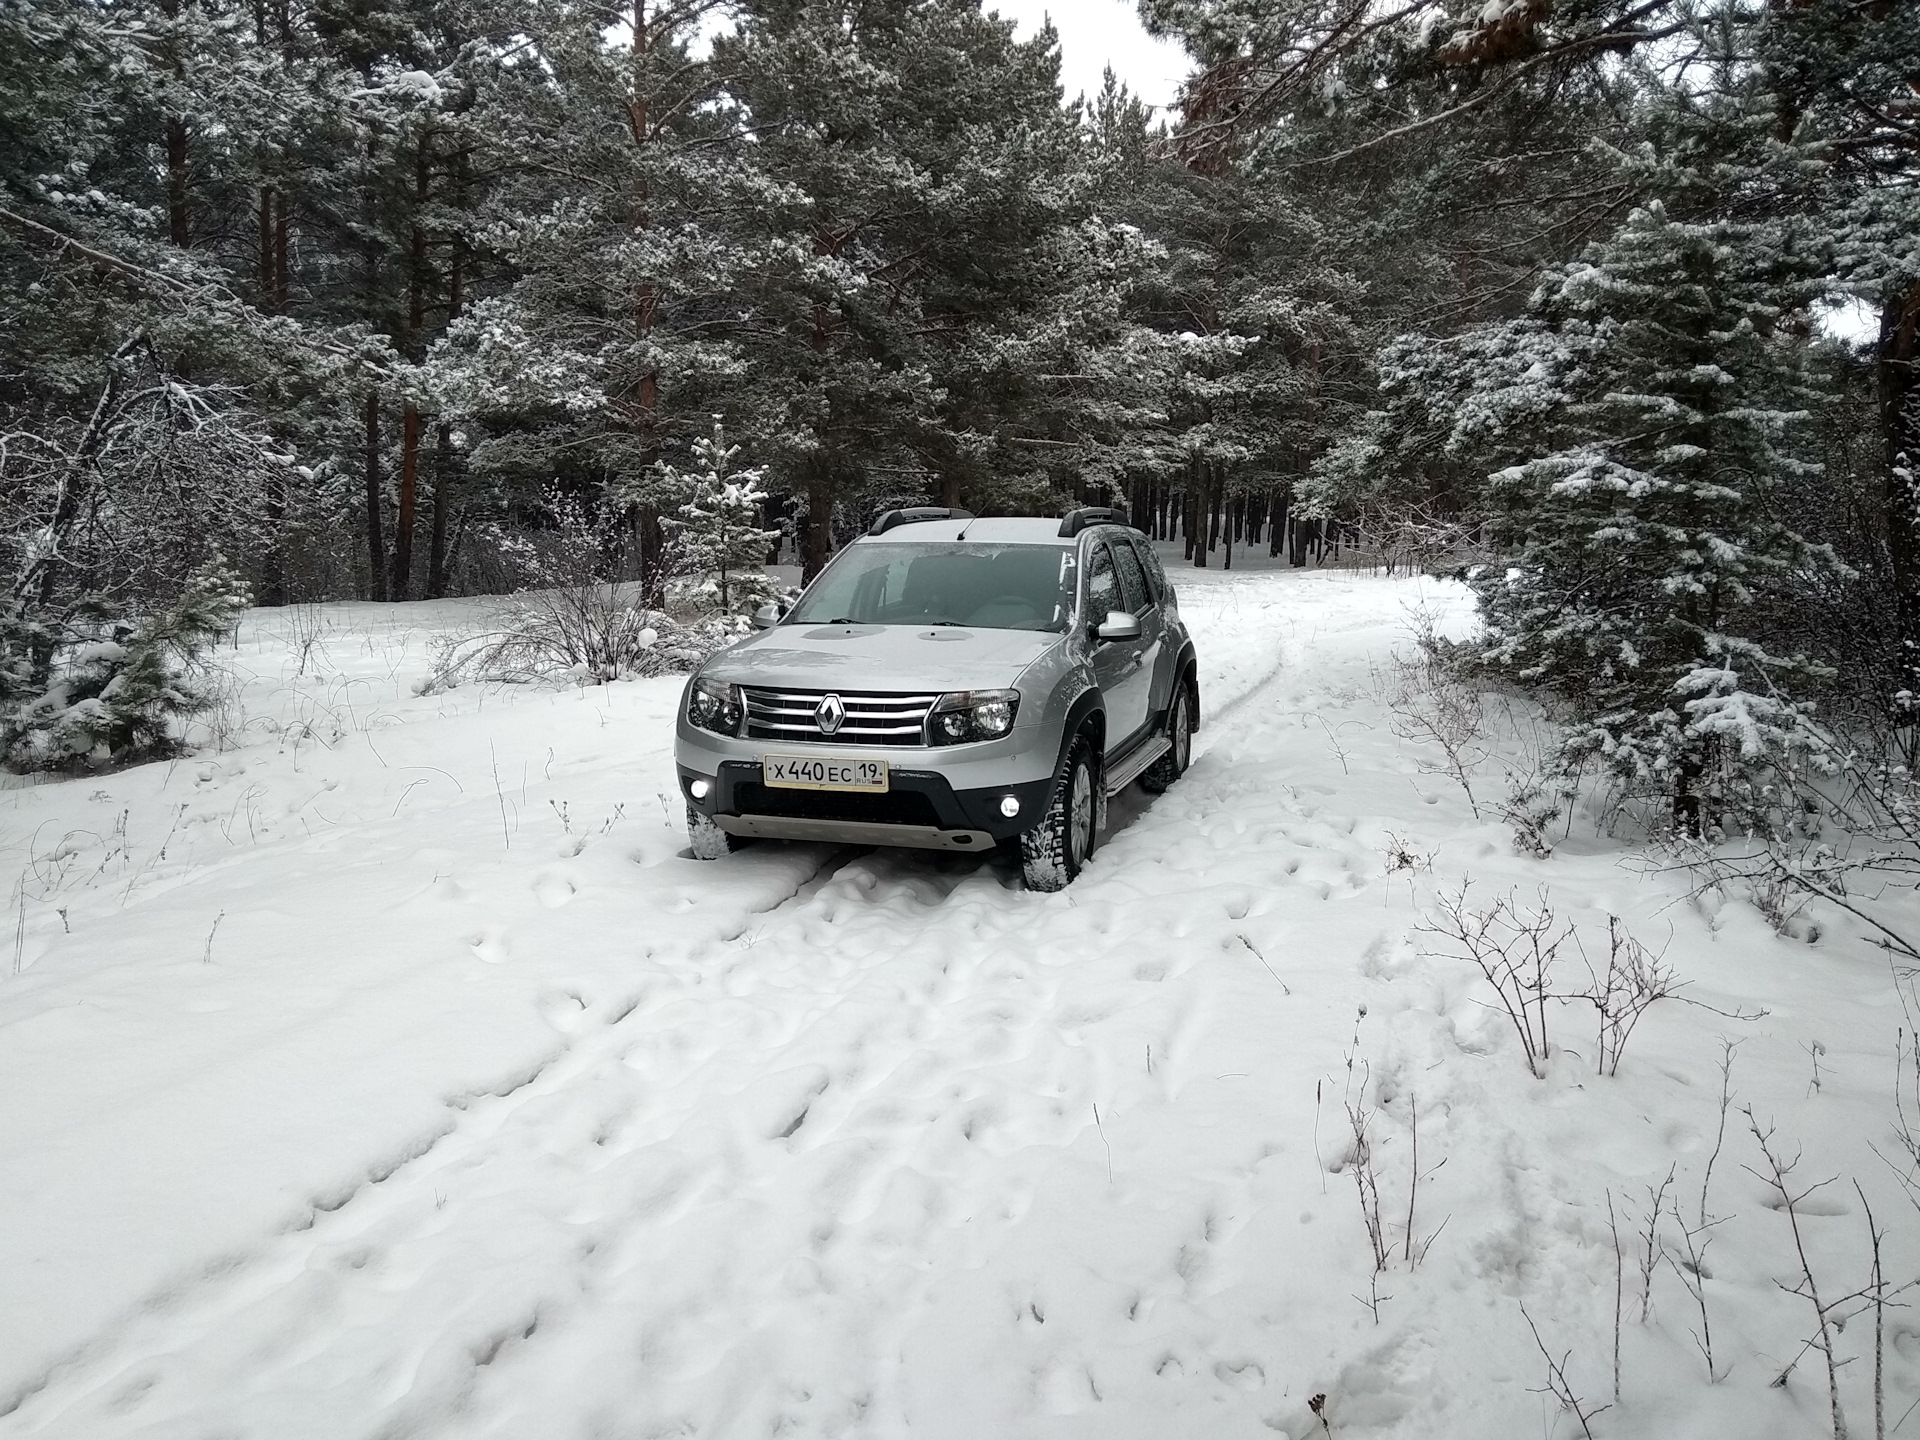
(117, 686)
(716, 537)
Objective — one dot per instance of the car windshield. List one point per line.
(985, 587)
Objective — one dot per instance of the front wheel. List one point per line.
(1172, 765)
(709, 841)
(1053, 852)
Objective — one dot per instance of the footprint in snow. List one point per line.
(552, 889)
(1241, 1374)
(564, 1010)
(1066, 1389)
(490, 945)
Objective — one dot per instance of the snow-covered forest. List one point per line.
(1506, 1027)
(412, 298)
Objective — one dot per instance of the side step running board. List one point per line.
(1129, 769)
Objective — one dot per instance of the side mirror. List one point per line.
(766, 617)
(1119, 625)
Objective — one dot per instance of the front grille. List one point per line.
(895, 807)
(871, 719)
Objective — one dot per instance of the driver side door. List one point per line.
(1119, 666)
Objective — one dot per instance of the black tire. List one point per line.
(1054, 852)
(709, 841)
(1172, 765)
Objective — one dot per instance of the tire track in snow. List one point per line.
(469, 1109)
(241, 1299)
(584, 1089)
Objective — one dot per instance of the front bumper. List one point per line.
(938, 797)
(920, 809)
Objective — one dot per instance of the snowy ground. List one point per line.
(391, 1072)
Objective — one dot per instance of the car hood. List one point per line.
(882, 658)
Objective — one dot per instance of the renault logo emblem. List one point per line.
(829, 714)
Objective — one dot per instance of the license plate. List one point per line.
(824, 772)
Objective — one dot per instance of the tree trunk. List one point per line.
(282, 278)
(1214, 498)
(438, 559)
(1186, 517)
(417, 256)
(816, 544)
(646, 313)
(273, 563)
(1899, 377)
(442, 485)
(266, 247)
(402, 584)
(177, 180)
(1277, 527)
(653, 553)
(376, 548)
(1202, 516)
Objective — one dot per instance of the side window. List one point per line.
(1133, 584)
(1103, 586)
(1156, 577)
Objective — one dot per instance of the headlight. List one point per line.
(714, 705)
(972, 715)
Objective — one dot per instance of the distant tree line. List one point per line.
(377, 297)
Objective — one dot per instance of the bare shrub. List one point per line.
(1417, 539)
(1402, 857)
(1778, 1177)
(1558, 1385)
(1433, 706)
(591, 633)
(1906, 1106)
(1362, 1162)
(1633, 981)
(1531, 809)
(305, 622)
(1515, 948)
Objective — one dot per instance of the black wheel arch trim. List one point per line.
(1187, 668)
(1085, 706)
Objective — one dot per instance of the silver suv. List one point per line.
(949, 683)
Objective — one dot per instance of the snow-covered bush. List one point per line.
(588, 633)
(111, 688)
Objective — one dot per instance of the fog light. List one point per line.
(1010, 807)
(698, 789)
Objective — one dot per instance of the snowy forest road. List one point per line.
(473, 1114)
(714, 1018)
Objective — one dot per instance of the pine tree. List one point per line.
(1653, 409)
(716, 538)
(604, 342)
(923, 273)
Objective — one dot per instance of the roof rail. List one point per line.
(914, 514)
(1086, 515)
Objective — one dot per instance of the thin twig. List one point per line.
(1777, 1178)
(1557, 1384)
(1879, 1323)
(1619, 1288)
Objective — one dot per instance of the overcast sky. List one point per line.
(1097, 33)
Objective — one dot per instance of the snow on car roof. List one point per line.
(993, 530)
